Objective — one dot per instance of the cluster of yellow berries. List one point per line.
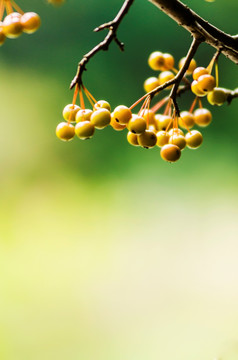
(83, 122)
(172, 131)
(146, 129)
(204, 84)
(16, 22)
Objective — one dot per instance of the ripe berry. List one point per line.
(179, 140)
(65, 131)
(202, 117)
(83, 115)
(199, 71)
(122, 114)
(148, 115)
(168, 62)
(137, 125)
(218, 96)
(101, 118)
(191, 68)
(196, 90)
(115, 125)
(162, 122)
(12, 26)
(102, 104)
(132, 139)
(151, 83)
(30, 22)
(156, 60)
(70, 111)
(147, 139)
(186, 120)
(84, 130)
(193, 139)
(165, 76)
(170, 152)
(162, 138)
(206, 83)
(2, 35)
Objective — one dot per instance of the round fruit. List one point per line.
(83, 115)
(84, 130)
(65, 131)
(191, 68)
(206, 83)
(202, 117)
(115, 125)
(70, 111)
(12, 26)
(151, 83)
(137, 125)
(165, 76)
(156, 60)
(162, 138)
(186, 120)
(196, 90)
(122, 114)
(147, 139)
(179, 140)
(193, 139)
(30, 22)
(132, 139)
(102, 104)
(162, 122)
(2, 35)
(218, 96)
(168, 62)
(199, 71)
(149, 116)
(170, 152)
(101, 118)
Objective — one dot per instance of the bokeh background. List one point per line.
(107, 252)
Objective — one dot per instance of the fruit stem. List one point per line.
(157, 106)
(17, 8)
(82, 104)
(200, 103)
(193, 104)
(73, 102)
(2, 7)
(9, 7)
(168, 107)
(216, 73)
(138, 101)
(89, 94)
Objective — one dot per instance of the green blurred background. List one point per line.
(106, 251)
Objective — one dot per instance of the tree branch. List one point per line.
(191, 52)
(111, 36)
(198, 27)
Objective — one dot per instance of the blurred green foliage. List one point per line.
(107, 252)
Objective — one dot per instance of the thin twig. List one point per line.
(112, 26)
(191, 52)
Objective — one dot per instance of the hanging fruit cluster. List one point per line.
(169, 130)
(16, 21)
